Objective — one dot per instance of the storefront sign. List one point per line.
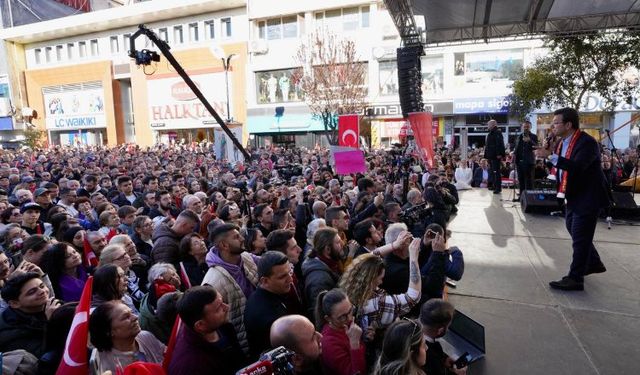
(394, 109)
(74, 109)
(173, 105)
(497, 104)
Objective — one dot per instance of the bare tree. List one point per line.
(332, 79)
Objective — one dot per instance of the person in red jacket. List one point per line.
(343, 352)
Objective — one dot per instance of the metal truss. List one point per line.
(402, 15)
(534, 28)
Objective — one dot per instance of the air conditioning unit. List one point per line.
(5, 107)
(258, 46)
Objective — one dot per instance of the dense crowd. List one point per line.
(348, 272)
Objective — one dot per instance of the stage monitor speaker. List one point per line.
(623, 201)
(539, 201)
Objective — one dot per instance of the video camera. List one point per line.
(415, 214)
(276, 361)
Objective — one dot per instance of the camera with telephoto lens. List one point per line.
(415, 214)
(241, 185)
(276, 361)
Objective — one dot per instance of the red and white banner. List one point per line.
(421, 124)
(348, 130)
(74, 360)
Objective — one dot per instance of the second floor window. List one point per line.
(82, 49)
(278, 28)
(226, 27)
(163, 34)
(94, 47)
(210, 31)
(115, 47)
(177, 35)
(71, 51)
(193, 32)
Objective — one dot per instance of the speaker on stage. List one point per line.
(539, 201)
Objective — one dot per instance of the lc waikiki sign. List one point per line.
(172, 104)
(74, 108)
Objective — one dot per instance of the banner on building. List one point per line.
(78, 106)
(173, 105)
(224, 147)
(348, 130)
(421, 125)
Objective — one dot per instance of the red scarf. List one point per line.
(562, 186)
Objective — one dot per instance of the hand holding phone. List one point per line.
(462, 361)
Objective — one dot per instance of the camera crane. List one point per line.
(145, 57)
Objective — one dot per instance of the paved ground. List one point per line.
(510, 257)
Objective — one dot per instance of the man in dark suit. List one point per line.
(524, 157)
(494, 152)
(481, 175)
(582, 184)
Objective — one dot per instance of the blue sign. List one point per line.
(285, 123)
(497, 104)
(6, 123)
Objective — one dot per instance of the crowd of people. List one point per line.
(348, 272)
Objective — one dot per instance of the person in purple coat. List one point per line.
(63, 264)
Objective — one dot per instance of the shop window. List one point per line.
(38, 55)
(113, 43)
(226, 27)
(210, 30)
(82, 49)
(178, 37)
(94, 47)
(278, 86)
(193, 32)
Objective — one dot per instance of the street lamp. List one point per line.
(226, 64)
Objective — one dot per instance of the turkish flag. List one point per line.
(421, 124)
(171, 344)
(74, 360)
(348, 130)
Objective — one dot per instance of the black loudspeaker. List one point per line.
(539, 201)
(623, 200)
(410, 79)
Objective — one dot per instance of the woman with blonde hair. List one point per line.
(404, 351)
(117, 254)
(361, 282)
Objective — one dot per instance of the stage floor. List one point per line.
(510, 257)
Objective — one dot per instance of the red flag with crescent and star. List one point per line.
(348, 130)
(421, 124)
(74, 360)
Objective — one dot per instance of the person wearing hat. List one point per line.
(31, 222)
(41, 196)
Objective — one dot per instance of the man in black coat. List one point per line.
(267, 303)
(524, 157)
(436, 316)
(582, 184)
(494, 152)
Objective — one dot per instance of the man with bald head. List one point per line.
(494, 151)
(297, 334)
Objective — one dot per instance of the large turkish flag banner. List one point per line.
(348, 130)
(421, 124)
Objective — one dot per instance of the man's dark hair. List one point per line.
(36, 243)
(176, 177)
(277, 240)
(123, 179)
(11, 290)
(569, 115)
(269, 260)
(436, 313)
(90, 178)
(148, 179)
(362, 231)
(160, 193)
(125, 211)
(332, 213)
(279, 216)
(365, 183)
(189, 215)
(257, 211)
(64, 191)
(221, 231)
(388, 207)
(191, 305)
(50, 185)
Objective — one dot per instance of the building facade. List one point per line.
(85, 89)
